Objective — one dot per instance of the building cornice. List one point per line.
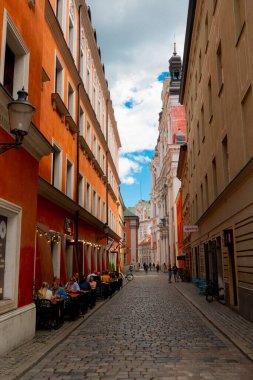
(187, 46)
(70, 63)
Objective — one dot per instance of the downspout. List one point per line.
(78, 135)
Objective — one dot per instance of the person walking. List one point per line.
(170, 273)
(175, 271)
(150, 265)
(157, 268)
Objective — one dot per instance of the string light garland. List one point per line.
(55, 237)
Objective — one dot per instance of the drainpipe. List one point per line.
(78, 134)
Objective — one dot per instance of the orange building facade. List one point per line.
(62, 187)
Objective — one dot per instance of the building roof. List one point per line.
(128, 213)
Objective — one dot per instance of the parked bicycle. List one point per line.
(128, 276)
(213, 291)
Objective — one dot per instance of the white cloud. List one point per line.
(136, 39)
(127, 170)
(140, 158)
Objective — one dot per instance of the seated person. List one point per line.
(44, 291)
(93, 286)
(106, 277)
(93, 274)
(72, 285)
(84, 284)
(58, 291)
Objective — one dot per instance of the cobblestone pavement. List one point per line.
(147, 331)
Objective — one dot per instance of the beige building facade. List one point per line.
(217, 93)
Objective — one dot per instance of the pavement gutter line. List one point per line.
(216, 325)
(21, 370)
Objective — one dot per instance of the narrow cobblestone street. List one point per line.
(147, 331)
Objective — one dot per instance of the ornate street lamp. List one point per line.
(20, 116)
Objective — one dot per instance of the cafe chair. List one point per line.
(44, 314)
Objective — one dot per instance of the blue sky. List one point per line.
(136, 57)
(141, 187)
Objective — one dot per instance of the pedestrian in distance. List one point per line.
(170, 273)
(157, 268)
(150, 265)
(153, 266)
(175, 272)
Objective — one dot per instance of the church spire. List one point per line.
(175, 68)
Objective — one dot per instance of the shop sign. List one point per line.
(191, 228)
(181, 257)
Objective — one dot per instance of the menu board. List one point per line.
(3, 232)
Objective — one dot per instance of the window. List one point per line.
(60, 13)
(69, 179)
(225, 160)
(71, 36)
(239, 11)
(200, 66)
(81, 189)
(206, 187)
(95, 146)
(57, 167)
(99, 207)
(214, 5)
(10, 225)
(59, 78)
(88, 136)
(88, 196)
(94, 203)
(206, 32)
(198, 138)
(88, 82)
(81, 122)
(202, 197)
(196, 85)
(247, 114)
(99, 155)
(103, 165)
(219, 68)
(215, 186)
(104, 213)
(71, 100)
(203, 123)
(14, 71)
(210, 100)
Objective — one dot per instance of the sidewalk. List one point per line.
(19, 360)
(237, 329)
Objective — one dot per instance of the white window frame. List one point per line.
(88, 196)
(69, 178)
(81, 121)
(59, 78)
(11, 36)
(94, 202)
(12, 257)
(56, 179)
(81, 189)
(63, 15)
(71, 100)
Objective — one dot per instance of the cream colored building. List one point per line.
(164, 182)
(217, 93)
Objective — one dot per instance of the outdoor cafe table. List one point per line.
(73, 304)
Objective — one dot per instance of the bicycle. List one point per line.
(213, 291)
(128, 276)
